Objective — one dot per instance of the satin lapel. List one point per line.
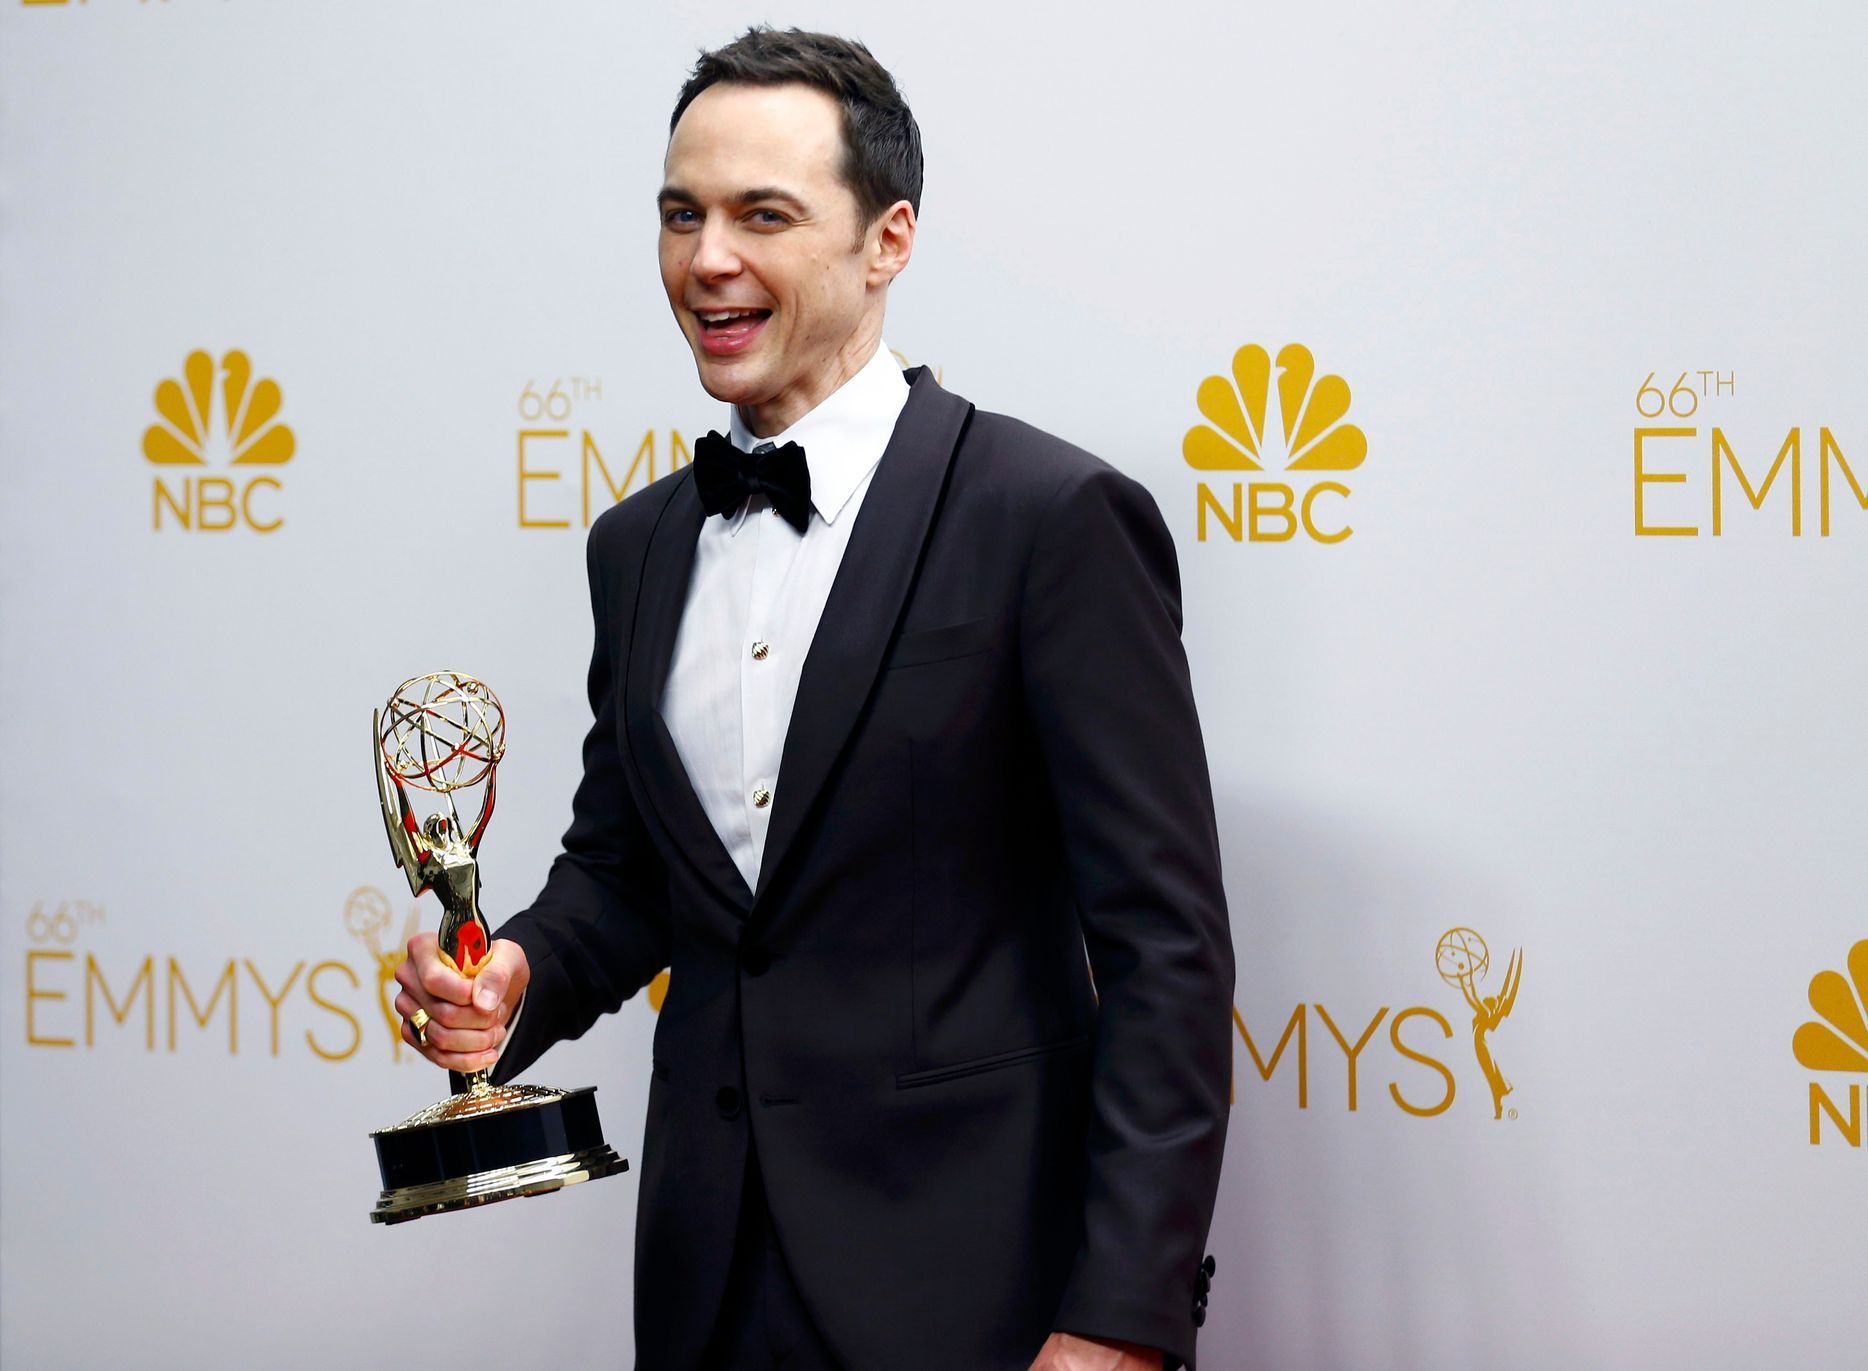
(865, 603)
(660, 597)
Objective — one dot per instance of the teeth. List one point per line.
(723, 315)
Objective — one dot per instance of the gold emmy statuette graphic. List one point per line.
(1463, 959)
(445, 733)
(366, 914)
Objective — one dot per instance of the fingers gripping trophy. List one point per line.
(444, 734)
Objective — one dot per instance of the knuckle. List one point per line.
(435, 980)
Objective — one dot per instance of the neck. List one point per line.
(774, 416)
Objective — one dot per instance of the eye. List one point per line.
(680, 219)
(768, 218)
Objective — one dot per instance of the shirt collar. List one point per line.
(843, 437)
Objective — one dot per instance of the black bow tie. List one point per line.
(724, 476)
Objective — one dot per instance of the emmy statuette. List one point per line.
(445, 733)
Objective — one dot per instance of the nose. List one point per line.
(714, 258)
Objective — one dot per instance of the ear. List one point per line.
(892, 243)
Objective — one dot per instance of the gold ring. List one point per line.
(420, 1020)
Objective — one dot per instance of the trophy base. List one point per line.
(492, 1144)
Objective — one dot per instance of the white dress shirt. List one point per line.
(754, 599)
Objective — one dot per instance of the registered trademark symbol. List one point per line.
(1511, 1113)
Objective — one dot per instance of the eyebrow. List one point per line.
(738, 199)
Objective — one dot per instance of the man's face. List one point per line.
(757, 255)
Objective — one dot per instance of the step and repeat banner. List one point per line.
(1498, 371)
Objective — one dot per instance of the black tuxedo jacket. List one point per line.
(993, 787)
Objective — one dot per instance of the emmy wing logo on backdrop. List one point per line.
(1463, 961)
(1417, 1055)
(368, 915)
(1837, 1041)
(1309, 437)
(201, 427)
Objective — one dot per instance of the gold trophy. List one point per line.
(445, 733)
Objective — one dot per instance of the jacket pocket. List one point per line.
(907, 1080)
(938, 644)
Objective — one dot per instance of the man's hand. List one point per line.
(466, 1017)
(1068, 1352)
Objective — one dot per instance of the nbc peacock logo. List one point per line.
(1309, 437)
(1837, 1040)
(201, 426)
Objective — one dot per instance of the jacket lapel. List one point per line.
(864, 606)
(661, 594)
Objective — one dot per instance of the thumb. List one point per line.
(503, 973)
(489, 986)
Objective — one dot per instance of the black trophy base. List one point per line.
(490, 1144)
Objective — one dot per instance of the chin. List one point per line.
(728, 389)
(733, 384)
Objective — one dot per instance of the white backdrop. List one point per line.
(1496, 704)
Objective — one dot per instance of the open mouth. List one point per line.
(730, 330)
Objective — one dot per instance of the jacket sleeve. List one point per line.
(1108, 691)
(599, 930)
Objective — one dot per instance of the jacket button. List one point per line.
(1199, 1315)
(755, 959)
(727, 1101)
(1210, 1266)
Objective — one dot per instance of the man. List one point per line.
(894, 750)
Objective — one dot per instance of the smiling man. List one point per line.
(895, 765)
(777, 269)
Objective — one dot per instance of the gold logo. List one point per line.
(1419, 1075)
(249, 434)
(367, 914)
(1310, 436)
(545, 439)
(1661, 463)
(1463, 961)
(1838, 1042)
(86, 988)
(564, 479)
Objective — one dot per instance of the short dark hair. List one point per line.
(881, 141)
